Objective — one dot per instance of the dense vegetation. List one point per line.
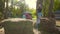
(12, 11)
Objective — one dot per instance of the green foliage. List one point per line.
(56, 5)
(33, 12)
(1, 9)
(21, 7)
(1, 16)
(46, 6)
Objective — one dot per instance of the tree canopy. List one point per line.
(56, 5)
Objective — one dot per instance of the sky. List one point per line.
(31, 3)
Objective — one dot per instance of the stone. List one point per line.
(48, 26)
(17, 26)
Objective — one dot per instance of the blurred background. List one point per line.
(27, 9)
(17, 8)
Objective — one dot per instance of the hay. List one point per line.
(18, 27)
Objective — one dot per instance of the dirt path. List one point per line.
(58, 22)
(2, 31)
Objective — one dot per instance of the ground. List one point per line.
(35, 30)
(2, 31)
(58, 22)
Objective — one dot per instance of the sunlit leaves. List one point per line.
(33, 12)
(56, 5)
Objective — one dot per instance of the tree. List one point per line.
(18, 7)
(21, 7)
(48, 25)
(56, 5)
(2, 8)
(6, 10)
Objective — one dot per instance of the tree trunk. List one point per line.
(6, 10)
(2, 8)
